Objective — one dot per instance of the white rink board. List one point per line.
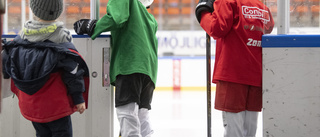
(96, 121)
(291, 86)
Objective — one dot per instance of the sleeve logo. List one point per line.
(256, 13)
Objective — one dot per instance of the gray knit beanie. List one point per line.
(46, 9)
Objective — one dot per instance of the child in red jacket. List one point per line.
(48, 75)
(237, 26)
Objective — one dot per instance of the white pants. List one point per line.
(242, 124)
(134, 122)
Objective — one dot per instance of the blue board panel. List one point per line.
(74, 36)
(273, 41)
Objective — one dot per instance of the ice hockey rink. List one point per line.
(184, 114)
(179, 105)
(181, 50)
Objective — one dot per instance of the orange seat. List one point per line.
(299, 0)
(157, 1)
(315, 9)
(186, 1)
(186, 10)
(103, 10)
(74, 1)
(87, 1)
(173, 1)
(27, 9)
(85, 10)
(292, 8)
(173, 11)
(16, 1)
(73, 9)
(14, 9)
(273, 9)
(158, 11)
(302, 9)
(104, 1)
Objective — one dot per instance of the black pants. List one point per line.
(135, 87)
(58, 128)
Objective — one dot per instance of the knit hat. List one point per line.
(46, 9)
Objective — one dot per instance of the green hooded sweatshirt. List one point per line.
(134, 46)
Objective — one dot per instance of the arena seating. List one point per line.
(176, 14)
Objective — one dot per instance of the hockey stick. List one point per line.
(2, 11)
(208, 56)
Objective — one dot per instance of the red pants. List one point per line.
(234, 97)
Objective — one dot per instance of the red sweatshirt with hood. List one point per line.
(238, 26)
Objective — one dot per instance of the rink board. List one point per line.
(291, 85)
(97, 120)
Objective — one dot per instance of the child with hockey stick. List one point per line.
(237, 26)
(49, 76)
(133, 66)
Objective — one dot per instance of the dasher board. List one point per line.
(291, 85)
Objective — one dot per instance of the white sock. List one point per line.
(146, 130)
(128, 119)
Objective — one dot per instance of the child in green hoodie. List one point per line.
(134, 60)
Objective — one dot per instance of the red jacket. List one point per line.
(44, 79)
(50, 102)
(237, 26)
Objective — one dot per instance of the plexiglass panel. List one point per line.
(18, 12)
(304, 15)
(170, 14)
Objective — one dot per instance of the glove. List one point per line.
(204, 5)
(84, 26)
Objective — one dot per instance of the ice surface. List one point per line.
(184, 114)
